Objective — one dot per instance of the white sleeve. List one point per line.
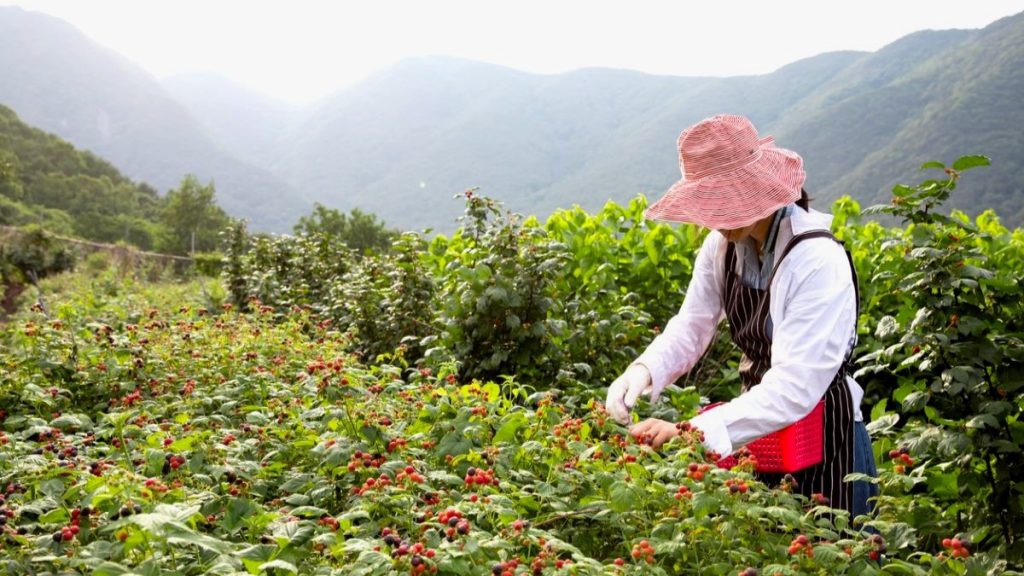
(687, 334)
(813, 308)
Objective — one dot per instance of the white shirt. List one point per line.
(813, 311)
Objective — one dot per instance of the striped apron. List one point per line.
(747, 310)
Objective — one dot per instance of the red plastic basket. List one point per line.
(795, 447)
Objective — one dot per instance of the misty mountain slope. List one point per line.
(57, 79)
(535, 142)
(875, 71)
(644, 152)
(363, 134)
(861, 110)
(404, 141)
(973, 105)
(561, 125)
(463, 124)
(243, 121)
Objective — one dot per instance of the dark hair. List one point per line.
(804, 200)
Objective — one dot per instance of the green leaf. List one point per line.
(883, 424)
(983, 420)
(372, 434)
(512, 424)
(54, 488)
(237, 511)
(182, 444)
(902, 190)
(968, 162)
(887, 328)
(260, 553)
(943, 485)
(112, 569)
(651, 248)
(493, 391)
(998, 408)
(454, 443)
(915, 401)
(704, 503)
(293, 533)
(623, 497)
(975, 272)
(308, 512)
(184, 536)
(279, 565)
(879, 409)
(55, 516)
(372, 563)
(1006, 447)
(933, 164)
(72, 422)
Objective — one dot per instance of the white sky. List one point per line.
(300, 50)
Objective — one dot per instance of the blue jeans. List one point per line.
(863, 462)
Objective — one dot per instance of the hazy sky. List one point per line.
(301, 50)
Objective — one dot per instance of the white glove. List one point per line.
(624, 391)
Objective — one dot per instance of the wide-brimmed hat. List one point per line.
(731, 177)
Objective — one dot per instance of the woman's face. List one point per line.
(739, 233)
(758, 231)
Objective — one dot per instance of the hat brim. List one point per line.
(735, 199)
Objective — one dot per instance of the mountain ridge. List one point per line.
(61, 81)
(409, 137)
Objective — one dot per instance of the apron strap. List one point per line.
(853, 272)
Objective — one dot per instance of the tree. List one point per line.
(357, 229)
(192, 218)
(9, 184)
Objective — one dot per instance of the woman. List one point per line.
(787, 287)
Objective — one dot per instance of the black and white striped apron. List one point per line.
(748, 311)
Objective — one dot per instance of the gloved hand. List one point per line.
(624, 391)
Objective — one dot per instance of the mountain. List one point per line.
(537, 142)
(404, 141)
(44, 180)
(240, 119)
(57, 79)
(965, 99)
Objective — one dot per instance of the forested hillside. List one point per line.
(46, 181)
(57, 79)
(401, 143)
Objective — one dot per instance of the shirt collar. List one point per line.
(773, 230)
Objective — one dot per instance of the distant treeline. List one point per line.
(46, 182)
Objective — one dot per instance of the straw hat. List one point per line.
(731, 177)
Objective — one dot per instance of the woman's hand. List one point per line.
(657, 431)
(624, 391)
